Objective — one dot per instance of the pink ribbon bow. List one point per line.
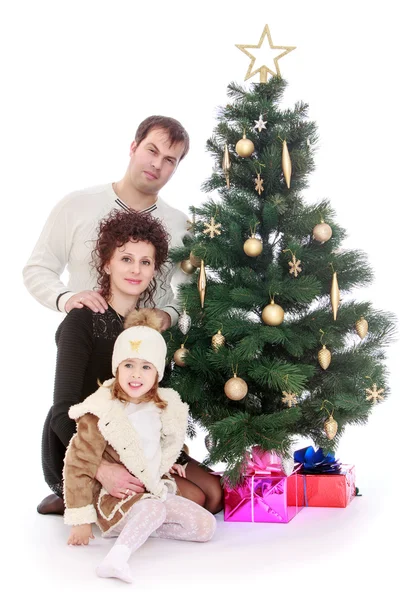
(262, 462)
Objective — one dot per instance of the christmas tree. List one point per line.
(277, 347)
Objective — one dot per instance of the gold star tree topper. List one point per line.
(264, 70)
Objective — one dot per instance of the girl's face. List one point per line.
(131, 268)
(136, 377)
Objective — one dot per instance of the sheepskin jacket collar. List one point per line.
(117, 430)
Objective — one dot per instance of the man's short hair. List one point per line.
(175, 130)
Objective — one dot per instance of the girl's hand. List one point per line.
(80, 535)
(179, 469)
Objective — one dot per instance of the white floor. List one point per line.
(322, 553)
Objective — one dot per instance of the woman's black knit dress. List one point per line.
(85, 342)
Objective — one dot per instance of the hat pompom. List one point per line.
(144, 317)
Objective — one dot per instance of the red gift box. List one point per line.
(334, 490)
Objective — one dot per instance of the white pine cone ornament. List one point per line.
(184, 322)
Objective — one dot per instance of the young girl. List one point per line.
(130, 252)
(129, 420)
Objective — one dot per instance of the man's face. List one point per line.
(153, 161)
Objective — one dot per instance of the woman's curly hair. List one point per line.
(120, 227)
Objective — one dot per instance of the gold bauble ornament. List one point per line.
(253, 246)
(236, 388)
(201, 284)
(218, 340)
(335, 295)
(322, 232)
(362, 327)
(286, 164)
(330, 427)
(187, 267)
(324, 357)
(195, 260)
(244, 147)
(273, 314)
(180, 355)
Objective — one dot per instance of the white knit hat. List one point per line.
(140, 341)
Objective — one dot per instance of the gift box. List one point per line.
(266, 494)
(334, 486)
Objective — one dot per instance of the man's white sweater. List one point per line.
(67, 241)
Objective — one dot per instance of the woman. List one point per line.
(130, 249)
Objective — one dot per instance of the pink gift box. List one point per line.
(335, 491)
(272, 498)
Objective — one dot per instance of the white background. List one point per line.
(77, 78)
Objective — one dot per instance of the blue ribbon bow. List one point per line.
(315, 461)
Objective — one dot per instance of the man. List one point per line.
(68, 236)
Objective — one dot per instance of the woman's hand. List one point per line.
(80, 535)
(179, 469)
(118, 481)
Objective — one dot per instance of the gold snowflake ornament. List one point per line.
(213, 228)
(259, 187)
(295, 266)
(289, 398)
(373, 394)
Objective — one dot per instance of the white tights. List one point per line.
(176, 518)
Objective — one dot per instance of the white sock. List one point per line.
(115, 564)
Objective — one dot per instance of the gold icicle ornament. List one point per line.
(201, 284)
(226, 164)
(218, 340)
(362, 327)
(187, 267)
(330, 427)
(273, 314)
(236, 388)
(244, 147)
(286, 164)
(253, 246)
(324, 357)
(180, 355)
(335, 295)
